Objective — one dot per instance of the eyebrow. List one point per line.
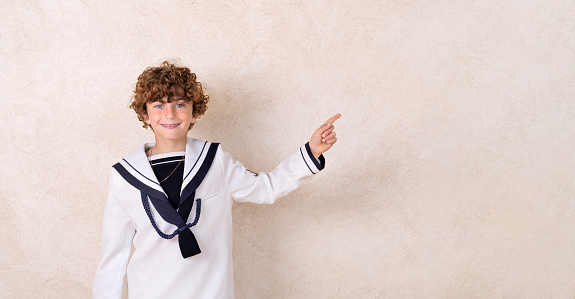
(171, 100)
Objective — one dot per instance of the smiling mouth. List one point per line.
(169, 126)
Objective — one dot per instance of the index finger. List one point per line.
(333, 118)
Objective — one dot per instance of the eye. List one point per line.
(158, 106)
(180, 105)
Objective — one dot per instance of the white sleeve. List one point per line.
(118, 233)
(266, 187)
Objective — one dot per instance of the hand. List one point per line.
(324, 137)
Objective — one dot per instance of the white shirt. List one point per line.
(157, 269)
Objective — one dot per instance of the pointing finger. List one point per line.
(333, 118)
(328, 123)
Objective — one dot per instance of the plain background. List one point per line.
(452, 177)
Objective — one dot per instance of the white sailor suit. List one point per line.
(157, 268)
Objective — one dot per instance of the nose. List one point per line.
(169, 112)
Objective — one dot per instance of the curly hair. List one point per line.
(155, 83)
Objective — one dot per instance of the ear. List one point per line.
(146, 118)
(193, 119)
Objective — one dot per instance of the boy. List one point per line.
(173, 198)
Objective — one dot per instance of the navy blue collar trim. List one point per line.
(172, 159)
(201, 174)
(199, 156)
(137, 172)
(138, 184)
(159, 199)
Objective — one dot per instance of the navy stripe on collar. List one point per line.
(201, 174)
(171, 159)
(138, 184)
(137, 172)
(199, 156)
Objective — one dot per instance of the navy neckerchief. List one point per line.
(149, 191)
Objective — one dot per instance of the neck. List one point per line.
(163, 146)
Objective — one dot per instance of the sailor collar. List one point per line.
(136, 170)
(138, 166)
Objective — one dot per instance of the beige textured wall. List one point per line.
(453, 176)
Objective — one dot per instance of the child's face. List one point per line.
(170, 121)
